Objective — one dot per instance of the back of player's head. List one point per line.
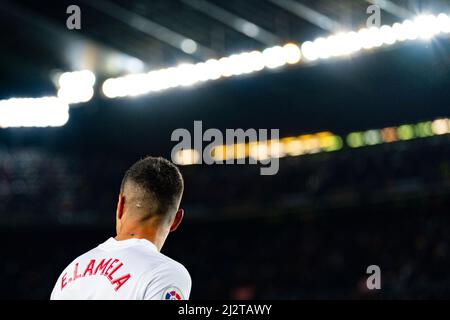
(154, 185)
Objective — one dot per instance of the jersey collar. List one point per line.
(113, 243)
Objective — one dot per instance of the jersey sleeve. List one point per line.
(170, 282)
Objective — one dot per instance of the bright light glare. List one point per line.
(110, 88)
(309, 51)
(387, 35)
(190, 74)
(336, 45)
(443, 22)
(344, 43)
(33, 112)
(186, 157)
(76, 78)
(274, 57)
(259, 151)
(77, 86)
(370, 38)
(292, 53)
(426, 26)
(409, 29)
(399, 32)
(440, 126)
(323, 48)
(213, 69)
(76, 94)
(189, 46)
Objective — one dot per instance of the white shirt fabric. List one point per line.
(131, 269)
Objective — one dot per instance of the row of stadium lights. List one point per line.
(73, 87)
(316, 143)
(338, 45)
(78, 87)
(261, 150)
(401, 133)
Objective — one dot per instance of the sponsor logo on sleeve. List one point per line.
(172, 293)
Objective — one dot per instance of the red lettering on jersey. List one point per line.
(110, 266)
(120, 281)
(102, 266)
(114, 271)
(105, 268)
(75, 272)
(89, 268)
(64, 281)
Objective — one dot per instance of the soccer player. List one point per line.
(130, 266)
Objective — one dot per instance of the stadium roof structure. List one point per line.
(117, 37)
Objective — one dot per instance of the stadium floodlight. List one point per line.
(372, 137)
(292, 53)
(389, 134)
(423, 129)
(364, 38)
(322, 46)
(332, 143)
(339, 44)
(76, 87)
(336, 45)
(276, 149)
(76, 94)
(387, 35)
(186, 157)
(440, 126)
(410, 30)
(325, 141)
(83, 77)
(274, 57)
(311, 143)
(212, 69)
(370, 38)
(309, 51)
(292, 146)
(355, 140)
(33, 112)
(426, 26)
(259, 151)
(443, 22)
(186, 75)
(405, 132)
(190, 74)
(399, 31)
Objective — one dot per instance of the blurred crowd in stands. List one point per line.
(82, 188)
(309, 232)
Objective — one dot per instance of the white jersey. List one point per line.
(131, 269)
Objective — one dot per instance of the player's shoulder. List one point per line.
(168, 264)
(169, 274)
(167, 280)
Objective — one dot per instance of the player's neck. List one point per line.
(136, 233)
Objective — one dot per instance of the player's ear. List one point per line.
(176, 222)
(120, 206)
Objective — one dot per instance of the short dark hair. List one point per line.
(160, 179)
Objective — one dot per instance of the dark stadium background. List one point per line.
(308, 232)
